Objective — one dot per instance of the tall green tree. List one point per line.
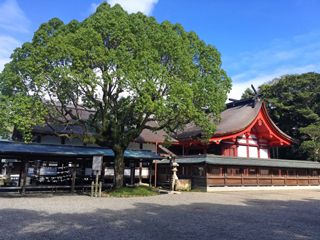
(126, 70)
(247, 93)
(293, 103)
(311, 143)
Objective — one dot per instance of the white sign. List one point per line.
(96, 163)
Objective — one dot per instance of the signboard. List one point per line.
(97, 162)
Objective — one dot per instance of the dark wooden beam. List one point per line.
(26, 166)
(74, 173)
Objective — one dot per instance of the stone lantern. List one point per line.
(174, 176)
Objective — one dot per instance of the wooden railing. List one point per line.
(258, 180)
(242, 180)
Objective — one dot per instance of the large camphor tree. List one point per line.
(126, 70)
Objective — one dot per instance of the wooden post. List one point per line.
(140, 172)
(100, 188)
(20, 174)
(35, 162)
(103, 170)
(74, 173)
(92, 186)
(96, 189)
(26, 166)
(155, 173)
(242, 178)
(150, 175)
(155, 167)
(206, 169)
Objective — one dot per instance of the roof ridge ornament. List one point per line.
(256, 97)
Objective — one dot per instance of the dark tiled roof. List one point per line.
(146, 135)
(158, 136)
(233, 119)
(23, 149)
(241, 161)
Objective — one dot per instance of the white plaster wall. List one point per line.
(134, 145)
(242, 151)
(109, 171)
(242, 140)
(253, 152)
(253, 136)
(127, 172)
(253, 142)
(150, 146)
(263, 153)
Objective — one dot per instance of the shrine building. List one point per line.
(239, 153)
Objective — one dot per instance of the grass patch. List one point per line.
(133, 192)
(197, 190)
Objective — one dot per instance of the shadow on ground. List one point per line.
(256, 219)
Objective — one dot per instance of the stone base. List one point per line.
(183, 185)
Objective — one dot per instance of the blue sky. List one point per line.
(258, 40)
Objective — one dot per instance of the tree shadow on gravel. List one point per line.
(256, 219)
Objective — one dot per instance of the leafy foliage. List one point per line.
(311, 145)
(125, 70)
(293, 103)
(247, 94)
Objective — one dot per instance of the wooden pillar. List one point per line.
(35, 170)
(242, 177)
(150, 170)
(20, 174)
(103, 170)
(140, 166)
(155, 167)
(140, 171)
(74, 173)
(206, 169)
(25, 172)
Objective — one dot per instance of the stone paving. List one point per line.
(285, 214)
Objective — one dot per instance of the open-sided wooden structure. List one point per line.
(59, 166)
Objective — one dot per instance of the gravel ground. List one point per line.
(288, 214)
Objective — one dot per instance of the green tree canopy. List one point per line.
(293, 103)
(247, 94)
(125, 69)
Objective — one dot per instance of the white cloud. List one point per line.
(298, 55)
(239, 87)
(93, 7)
(12, 18)
(8, 44)
(144, 6)
(131, 6)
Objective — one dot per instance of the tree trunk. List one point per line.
(118, 166)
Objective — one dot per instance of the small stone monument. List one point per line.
(174, 174)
